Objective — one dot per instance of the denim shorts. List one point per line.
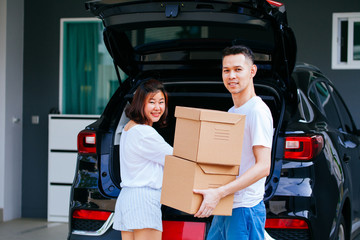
(138, 208)
(243, 224)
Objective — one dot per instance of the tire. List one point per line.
(341, 233)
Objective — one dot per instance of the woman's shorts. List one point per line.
(138, 208)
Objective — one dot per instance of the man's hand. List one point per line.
(211, 198)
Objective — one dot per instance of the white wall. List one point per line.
(2, 100)
(11, 102)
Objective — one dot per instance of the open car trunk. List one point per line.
(144, 36)
(180, 44)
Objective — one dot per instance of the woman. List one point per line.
(142, 156)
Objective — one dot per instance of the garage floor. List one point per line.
(33, 229)
(37, 229)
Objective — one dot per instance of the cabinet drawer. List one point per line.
(63, 132)
(58, 205)
(62, 167)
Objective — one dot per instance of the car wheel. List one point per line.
(341, 234)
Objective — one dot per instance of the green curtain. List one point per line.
(80, 67)
(356, 41)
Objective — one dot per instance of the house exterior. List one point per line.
(30, 86)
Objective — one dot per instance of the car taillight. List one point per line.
(86, 142)
(91, 214)
(178, 230)
(303, 148)
(286, 223)
(274, 3)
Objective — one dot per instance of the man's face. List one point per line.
(237, 73)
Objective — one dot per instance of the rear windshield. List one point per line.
(205, 36)
(149, 35)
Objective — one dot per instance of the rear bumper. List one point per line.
(294, 234)
(110, 234)
(106, 232)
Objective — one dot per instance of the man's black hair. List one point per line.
(239, 49)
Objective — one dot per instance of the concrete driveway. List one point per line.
(33, 229)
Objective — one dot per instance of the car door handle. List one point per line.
(346, 158)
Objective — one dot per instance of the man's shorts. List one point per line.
(244, 224)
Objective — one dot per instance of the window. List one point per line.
(345, 115)
(346, 41)
(306, 112)
(141, 38)
(87, 74)
(329, 106)
(321, 97)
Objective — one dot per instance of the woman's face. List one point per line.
(154, 107)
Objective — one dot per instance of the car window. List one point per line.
(142, 38)
(160, 34)
(344, 113)
(314, 98)
(323, 93)
(321, 97)
(306, 112)
(329, 106)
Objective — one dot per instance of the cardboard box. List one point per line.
(181, 176)
(208, 136)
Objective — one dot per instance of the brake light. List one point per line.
(303, 148)
(91, 214)
(286, 223)
(274, 3)
(177, 230)
(86, 141)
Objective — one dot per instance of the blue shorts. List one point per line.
(244, 224)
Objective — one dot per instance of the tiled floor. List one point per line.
(33, 229)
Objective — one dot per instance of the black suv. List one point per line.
(313, 188)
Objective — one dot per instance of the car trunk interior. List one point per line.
(208, 95)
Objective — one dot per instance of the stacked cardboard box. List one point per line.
(207, 153)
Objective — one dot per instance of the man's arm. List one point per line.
(211, 197)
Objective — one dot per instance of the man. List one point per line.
(249, 214)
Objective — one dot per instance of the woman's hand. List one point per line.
(211, 198)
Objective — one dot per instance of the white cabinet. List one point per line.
(63, 131)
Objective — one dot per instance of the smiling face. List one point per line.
(154, 107)
(237, 73)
